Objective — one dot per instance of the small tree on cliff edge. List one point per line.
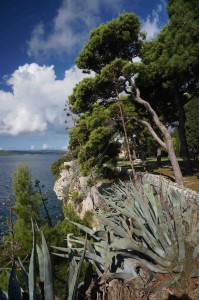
(27, 201)
(27, 205)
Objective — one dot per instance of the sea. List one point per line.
(39, 165)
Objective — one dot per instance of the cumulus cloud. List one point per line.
(32, 147)
(37, 99)
(45, 147)
(152, 25)
(70, 27)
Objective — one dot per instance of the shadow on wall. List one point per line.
(183, 297)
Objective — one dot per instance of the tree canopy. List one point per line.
(170, 65)
(118, 38)
(160, 82)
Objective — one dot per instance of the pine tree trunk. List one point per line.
(134, 154)
(168, 145)
(173, 159)
(159, 157)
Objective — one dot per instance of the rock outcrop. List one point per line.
(74, 188)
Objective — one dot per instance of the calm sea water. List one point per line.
(39, 165)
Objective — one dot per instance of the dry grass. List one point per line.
(191, 182)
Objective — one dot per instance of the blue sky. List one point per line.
(40, 40)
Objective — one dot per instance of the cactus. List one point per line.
(146, 237)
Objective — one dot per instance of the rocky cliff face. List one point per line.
(74, 188)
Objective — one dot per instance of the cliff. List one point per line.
(73, 188)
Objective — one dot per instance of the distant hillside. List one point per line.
(22, 152)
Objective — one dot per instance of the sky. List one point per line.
(39, 41)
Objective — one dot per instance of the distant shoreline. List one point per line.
(32, 152)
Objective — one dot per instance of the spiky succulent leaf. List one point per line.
(3, 295)
(48, 280)
(41, 263)
(25, 274)
(14, 289)
(73, 287)
(32, 268)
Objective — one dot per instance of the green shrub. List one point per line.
(56, 167)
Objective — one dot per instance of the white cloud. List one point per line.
(37, 99)
(45, 147)
(151, 25)
(136, 59)
(1, 148)
(32, 147)
(70, 27)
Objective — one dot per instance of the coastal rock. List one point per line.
(66, 178)
(71, 184)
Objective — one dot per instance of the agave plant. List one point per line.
(15, 291)
(146, 238)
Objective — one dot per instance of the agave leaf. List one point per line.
(152, 267)
(68, 250)
(66, 256)
(194, 236)
(195, 273)
(72, 268)
(165, 284)
(48, 281)
(117, 229)
(125, 210)
(76, 240)
(3, 295)
(101, 234)
(128, 244)
(182, 199)
(88, 278)
(165, 242)
(108, 261)
(97, 263)
(178, 223)
(194, 224)
(41, 263)
(74, 282)
(163, 230)
(32, 268)
(145, 211)
(25, 274)
(85, 229)
(14, 290)
(88, 255)
(122, 275)
(195, 252)
(138, 222)
(101, 250)
(148, 191)
(190, 211)
(170, 227)
(95, 258)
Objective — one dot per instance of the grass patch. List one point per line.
(191, 182)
